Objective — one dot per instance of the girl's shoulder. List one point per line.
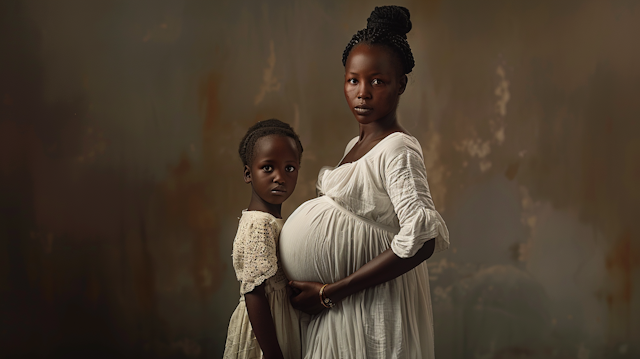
(256, 215)
(258, 219)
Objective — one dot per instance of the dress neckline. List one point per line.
(256, 212)
(368, 152)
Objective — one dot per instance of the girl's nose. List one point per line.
(278, 177)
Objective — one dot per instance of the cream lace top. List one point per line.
(255, 261)
(255, 256)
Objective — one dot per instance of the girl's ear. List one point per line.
(247, 174)
(403, 84)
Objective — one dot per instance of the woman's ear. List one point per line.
(403, 84)
(247, 174)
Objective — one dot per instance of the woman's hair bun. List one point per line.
(392, 18)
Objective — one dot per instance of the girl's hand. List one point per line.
(306, 296)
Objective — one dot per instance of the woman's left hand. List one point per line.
(306, 296)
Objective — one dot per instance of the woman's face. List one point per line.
(373, 83)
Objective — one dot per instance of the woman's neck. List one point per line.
(380, 129)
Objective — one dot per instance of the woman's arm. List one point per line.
(406, 184)
(385, 267)
(262, 322)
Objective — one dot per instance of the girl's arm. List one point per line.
(385, 267)
(256, 251)
(262, 322)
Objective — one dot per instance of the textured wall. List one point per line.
(120, 185)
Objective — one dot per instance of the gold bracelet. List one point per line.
(326, 302)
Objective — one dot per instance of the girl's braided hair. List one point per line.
(262, 129)
(387, 25)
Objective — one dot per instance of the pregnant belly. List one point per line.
(322, 242)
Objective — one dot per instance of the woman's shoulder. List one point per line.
(399, 143)
(350, 145)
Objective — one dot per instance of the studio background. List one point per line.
(121, 187)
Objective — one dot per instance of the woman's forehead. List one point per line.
(371, 57)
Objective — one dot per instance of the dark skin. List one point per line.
(262, 322)
(374, 81)
(273, 174)
(373, 85)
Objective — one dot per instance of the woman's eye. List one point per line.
(376, 82)
(289, 168)
(267, 168)
(352, 81)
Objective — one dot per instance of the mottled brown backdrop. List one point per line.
(120, 186)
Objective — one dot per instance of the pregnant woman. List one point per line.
(356, 254)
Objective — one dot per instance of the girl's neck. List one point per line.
(262, 206)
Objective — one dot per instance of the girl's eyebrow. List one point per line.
(373, 74)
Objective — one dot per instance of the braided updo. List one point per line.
(387, 25)
(262, 129)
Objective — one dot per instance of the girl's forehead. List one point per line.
(276, 138)
(275, 143)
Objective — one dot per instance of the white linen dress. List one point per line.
(378, 202)
(255, 261)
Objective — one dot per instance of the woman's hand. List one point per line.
(384, 267)
(306, 296)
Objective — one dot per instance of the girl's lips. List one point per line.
(362, 110)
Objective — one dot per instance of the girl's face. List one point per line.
(373, 83)
(273, 173)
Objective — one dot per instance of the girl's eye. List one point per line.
(376, 82)
(352, 81)
(289, 168)
(267, 168)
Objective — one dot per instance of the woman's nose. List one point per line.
(363, 91)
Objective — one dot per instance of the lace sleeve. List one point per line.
(254, 257)
(406, 182)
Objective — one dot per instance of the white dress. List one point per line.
(255, 261)
(378, 202)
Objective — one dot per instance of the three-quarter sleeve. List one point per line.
(254, 253)
(406, 183)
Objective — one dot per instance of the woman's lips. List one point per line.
(361, 110)
(279, 190)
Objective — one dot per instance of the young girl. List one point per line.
(264, 325)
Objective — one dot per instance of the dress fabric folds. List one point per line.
(378, 202)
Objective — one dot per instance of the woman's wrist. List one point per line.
(337, 291)
(324, 299)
